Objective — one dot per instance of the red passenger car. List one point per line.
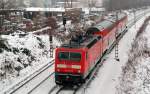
(108, 28)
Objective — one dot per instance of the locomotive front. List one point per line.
(69, 65)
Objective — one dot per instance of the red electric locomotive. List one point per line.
(75, 60)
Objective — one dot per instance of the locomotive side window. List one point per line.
(75, 56)
(64, 55)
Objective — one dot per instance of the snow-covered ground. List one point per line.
(135, 78)
(21, 52)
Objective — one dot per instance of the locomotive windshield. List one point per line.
(64, 55)
(69, 56)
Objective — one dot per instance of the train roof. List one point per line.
(86, 42)
(106, 23)
(113, 17)
(100, 26)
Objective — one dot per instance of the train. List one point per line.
(75, 60)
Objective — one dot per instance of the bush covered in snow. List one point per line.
(20, 50)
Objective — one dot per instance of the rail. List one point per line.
(28, 78)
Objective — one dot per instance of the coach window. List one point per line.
(64, 55)
(75, 56)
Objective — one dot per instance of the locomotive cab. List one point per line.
(68, 65)
(74, 61)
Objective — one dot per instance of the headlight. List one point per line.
(67, 66)
(61, 66)
(79, 71)
(76, 66)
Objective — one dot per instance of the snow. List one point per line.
(32, 84)
(40, 30)
(27, 52)
(148, 35)
(86, 10)
(135, 78)
(45, 9)
(45, 87)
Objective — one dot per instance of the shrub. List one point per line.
(26, 51)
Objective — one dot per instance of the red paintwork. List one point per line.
(94, 53)
(69, 62)
(86, 62)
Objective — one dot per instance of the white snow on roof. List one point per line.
(45, 9)
(61, 9)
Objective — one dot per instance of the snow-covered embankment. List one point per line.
(136, 73)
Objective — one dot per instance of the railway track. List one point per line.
(40, 83)
(24, 84)
(55, 89)
(64, 90)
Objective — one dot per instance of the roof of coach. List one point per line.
(107, 23)
(101, 26)
(104, 24)
(87, 41)
(120, 16)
